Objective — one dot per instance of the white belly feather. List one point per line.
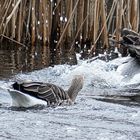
(20, 99)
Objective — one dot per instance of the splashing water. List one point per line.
(88, 118)
(114, 74)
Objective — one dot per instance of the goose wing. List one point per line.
(45, 91)
(128, 40)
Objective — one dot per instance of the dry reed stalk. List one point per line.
(96, 19)
(104, 23)
(3, 25)
(94, 47)
(2, 7)
(69, 7)
(56, 7)
(45, 33)
(79, 17)
(12, 40)
(28, 19)
(40, 20)
(119, 15)
(95, 26)
(2, 11)
(55, 25)
(134, 19)
(46, 48)
(62, 8)
(55, 33)
(37, 20)
(91, 16)
(66, 27)
(127, 23)
(50, 14)
(77, 33)
(19, 22)
(111, 13)
(8, 18)
(33, 23)
(86, 24)
(24, 16)
(13, 11)
(91, 13)
(13, 31)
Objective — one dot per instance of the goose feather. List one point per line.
(45, 92)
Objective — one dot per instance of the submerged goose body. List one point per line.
(29, 94)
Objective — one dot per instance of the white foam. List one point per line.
(96, 73)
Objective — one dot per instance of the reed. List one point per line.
(134, 17)
(33, 22)
(56, 23)
(119, 14)
(95, 24)
(104, 25)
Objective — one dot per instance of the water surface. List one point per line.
(89, 118)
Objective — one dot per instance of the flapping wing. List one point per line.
(52, 93)
(31, 87)
(45, 91)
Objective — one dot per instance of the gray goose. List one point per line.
(28, 94)
(130, 41)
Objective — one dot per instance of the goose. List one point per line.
(29, 94)
(130, 41)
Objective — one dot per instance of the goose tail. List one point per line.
(76, 86)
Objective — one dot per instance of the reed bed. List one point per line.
(65, 26)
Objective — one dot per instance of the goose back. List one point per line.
(48, 92)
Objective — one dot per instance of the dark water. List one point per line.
(15, 59)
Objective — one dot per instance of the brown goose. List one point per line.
(28, 94)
